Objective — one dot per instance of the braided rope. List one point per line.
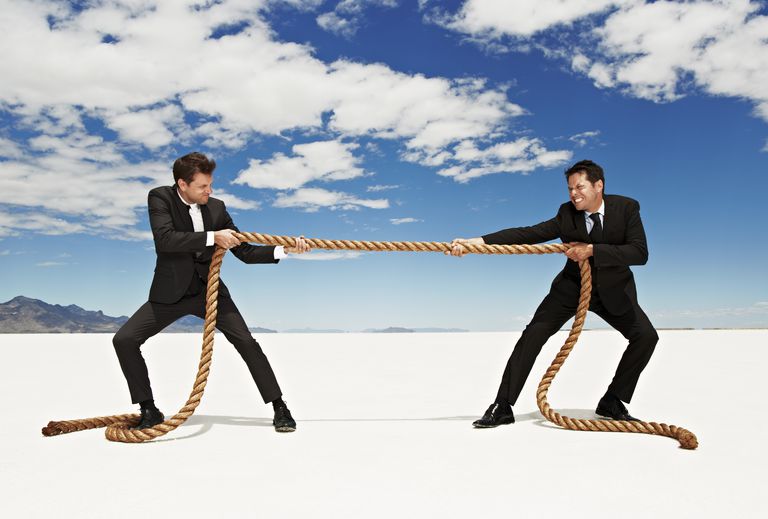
(118, 426)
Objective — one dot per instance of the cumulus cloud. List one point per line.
(322, 160)
(492, 19)
(652, 50)
(519, 156)
(347, 17)
(312, 199)
(88, 86)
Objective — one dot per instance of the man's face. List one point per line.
(585, 195)
(198, 191)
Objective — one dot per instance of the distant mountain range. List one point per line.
(26, 315)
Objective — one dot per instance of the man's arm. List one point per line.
(167, 238)
(635, 249)
(246, 252)
(538, 233)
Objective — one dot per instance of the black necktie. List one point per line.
(596, 234)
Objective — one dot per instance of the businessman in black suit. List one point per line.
(186, 223)
(607, 231)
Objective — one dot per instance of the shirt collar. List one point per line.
(192, 206)
(599, 211)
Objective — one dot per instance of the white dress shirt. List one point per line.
(601, 212)
(197, 224)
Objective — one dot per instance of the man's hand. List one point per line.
(457, 246)
(300, 247)
(225, 238)
(579, 251)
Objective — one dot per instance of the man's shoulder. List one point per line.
(215, 203)
(162, 192)
(619, 200)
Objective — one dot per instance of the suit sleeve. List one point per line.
(539, 233)
(635, 249)
(246, 252)
(167, 238)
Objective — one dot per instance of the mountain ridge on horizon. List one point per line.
(28, 315)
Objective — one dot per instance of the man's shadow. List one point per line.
(207, 422)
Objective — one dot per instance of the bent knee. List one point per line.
(648, 336)
(124, 341)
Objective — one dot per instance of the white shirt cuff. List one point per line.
(280, 252)
(209, 239)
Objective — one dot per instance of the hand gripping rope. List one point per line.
(118, 426)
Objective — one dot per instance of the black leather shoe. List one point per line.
(495, 415)
(283, 421)
(149, 418)
(611, 407)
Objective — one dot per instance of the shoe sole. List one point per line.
(285, 429)
(606, 417)
(480, 426)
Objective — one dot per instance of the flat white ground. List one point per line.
(384, 430)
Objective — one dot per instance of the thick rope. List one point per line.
(118, 426)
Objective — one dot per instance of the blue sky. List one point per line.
(387, 120)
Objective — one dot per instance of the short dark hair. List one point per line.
(185, 167)
(594, 171)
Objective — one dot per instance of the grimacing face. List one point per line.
(585, 195)
(198, 191)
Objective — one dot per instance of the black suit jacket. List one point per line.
(623, 244)
(176, 244)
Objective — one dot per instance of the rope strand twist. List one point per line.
(118, 427)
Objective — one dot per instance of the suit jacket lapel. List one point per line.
(581, 226)
(610, 220)
(207, 220)
(182, 210)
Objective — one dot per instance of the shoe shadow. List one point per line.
(578, 414)
(208, 421)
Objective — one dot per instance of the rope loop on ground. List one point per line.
(118, 427)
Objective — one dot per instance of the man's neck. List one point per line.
(181, 195)
(596, 207)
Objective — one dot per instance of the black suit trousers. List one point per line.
(551, 315)
(151, 318)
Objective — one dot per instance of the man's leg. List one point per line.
(146, 322)
(231, 324)
(635, 326)
(550, 316)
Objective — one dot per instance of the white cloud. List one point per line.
(347, 16)
(381, 187)
(492, 19)
(158, 73)
(76, 183)
(9, 149)
(581, 139)
(234, 202)
(651, 50)
(399, 221)
(312, 199)
(18, 223)
(323, 160)
(50, 264)
(520, 156)
(148, 127)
